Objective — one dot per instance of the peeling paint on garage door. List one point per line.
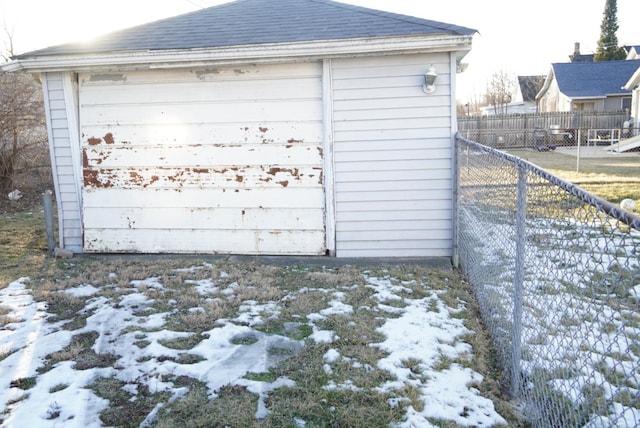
(217, 160)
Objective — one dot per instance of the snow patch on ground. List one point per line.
(61, 396)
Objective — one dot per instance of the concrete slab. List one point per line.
(625, 145)
(594, 152)
(431, 262)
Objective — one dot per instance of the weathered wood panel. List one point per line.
(181, 113)
(241, 241)
(201, 218)
(195, 197)
(197, 155)
(227, 177)
(224, 160)
(163, 134)
(392, 157)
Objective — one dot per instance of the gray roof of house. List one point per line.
(530, 86)
(594, 79)
(251, 22)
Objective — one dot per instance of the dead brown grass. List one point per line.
(297, 291)
(609, 177)
(234, 406)
(343, 276)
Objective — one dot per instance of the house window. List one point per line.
(626, 103)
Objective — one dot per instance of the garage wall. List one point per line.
(60, 108)
(393, 157)
(222, 160)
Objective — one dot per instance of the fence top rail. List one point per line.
(597, 202)
(549, 114)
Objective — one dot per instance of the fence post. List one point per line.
(455, 260)
(516, 332)
(578, 150)
(48, 220)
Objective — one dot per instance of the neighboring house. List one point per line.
(528, 88)
(633, 85)
(587, 86)
(524, 99)
(256, 127)
(579, 57)
(633, 52)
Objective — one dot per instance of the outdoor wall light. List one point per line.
(430, 80)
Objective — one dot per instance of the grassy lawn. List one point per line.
(23, 245)
(610, 177)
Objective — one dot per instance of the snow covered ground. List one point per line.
(45, 376)
(580, 355)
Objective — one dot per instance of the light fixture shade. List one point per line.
(430, 80)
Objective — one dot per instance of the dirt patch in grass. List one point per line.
(80, 351)
(234, 406)
(126, 409)
(183, 343)
(23, 383)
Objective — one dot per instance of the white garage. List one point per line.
(302, 127)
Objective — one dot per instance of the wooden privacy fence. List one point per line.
(535, 129)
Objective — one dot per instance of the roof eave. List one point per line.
(598, 96)
(634, 81)
(546, 85)
(585, 97)
(259, 53)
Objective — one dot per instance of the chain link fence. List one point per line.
(557, 275)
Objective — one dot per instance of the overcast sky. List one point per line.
(522, 38)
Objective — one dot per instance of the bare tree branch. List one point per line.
(8, 50)
(500, 90)
(22, 123)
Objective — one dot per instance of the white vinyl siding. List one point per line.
(393, 175)
(216, 160)
(58, 106)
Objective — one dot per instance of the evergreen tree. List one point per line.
(608, 49)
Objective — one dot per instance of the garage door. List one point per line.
(216, 160)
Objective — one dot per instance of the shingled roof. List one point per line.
(594, 79)
(530, 86)
(256, 22)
